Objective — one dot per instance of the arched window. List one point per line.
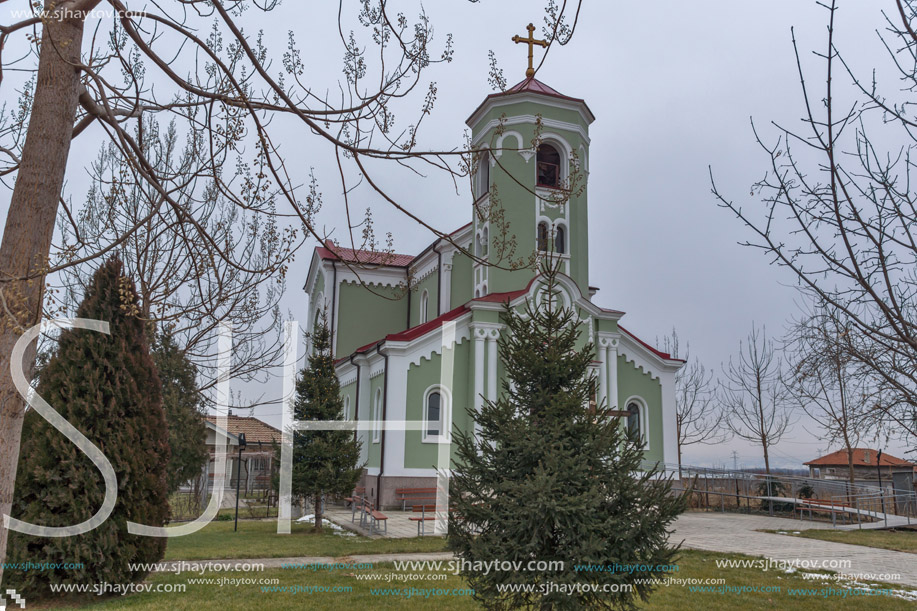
(483, 174)
(560, 239)
(347, 407)
(435, 414)
(484, 243)
(424, 306)
(542, 237)
(548, 166)
(633, 419)
(377, 416)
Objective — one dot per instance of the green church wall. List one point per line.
(375, 448)
(461, 289)
(349, 391)
(364, 316)
(633, 382)
(419, 455)
(431, 285)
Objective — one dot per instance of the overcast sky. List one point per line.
(673, 86)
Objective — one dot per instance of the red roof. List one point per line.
(255, 430)
(659, 353)
(531, 85)
(421, 329)
(362, 257)
(862, 457)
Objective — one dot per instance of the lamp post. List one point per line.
(879, 471)
(238, 478)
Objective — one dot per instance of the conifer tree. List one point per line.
(324, 462)
(108, 388)
(181, 403)
(549, 478)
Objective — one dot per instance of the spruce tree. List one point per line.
(181, 403)
(548, 478)
(108, 388)
(324, 462)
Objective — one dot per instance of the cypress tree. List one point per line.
(324, 462)
(181, 403)
(548, 478)
(108, 388)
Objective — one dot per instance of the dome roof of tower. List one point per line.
(532, 85)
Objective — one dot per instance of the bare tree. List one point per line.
(754, 394)
(829, 384)
(839, 205)
(699, 417)
(184, 290)
(194, 61)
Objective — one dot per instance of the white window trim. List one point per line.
(424, 306)
(377, 416)
(347, 407)
(558, 224)
(644, 418)
(445, 415)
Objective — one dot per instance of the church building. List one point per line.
(415, 336)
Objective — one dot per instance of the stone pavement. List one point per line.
(713, 531)
(730, 532)
(399, 526)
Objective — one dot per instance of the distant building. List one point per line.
(256, 457)
(835, 465)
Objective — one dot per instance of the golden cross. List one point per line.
(531, 41)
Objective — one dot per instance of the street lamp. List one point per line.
(239, 478)
(879, 471)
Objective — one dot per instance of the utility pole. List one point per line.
(735, 460)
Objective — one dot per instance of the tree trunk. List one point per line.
(767, 461)
(318, 511)
(30, 226)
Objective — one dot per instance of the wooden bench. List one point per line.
(415, 494)
(421, 520)
(374, 517)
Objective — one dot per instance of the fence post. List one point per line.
(859, 523)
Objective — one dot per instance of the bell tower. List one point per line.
(530, 183)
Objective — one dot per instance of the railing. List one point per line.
(708, 488)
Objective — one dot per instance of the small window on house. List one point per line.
(424, 306)
(633, 419)
(548, 166)
(542, 237)
(483, 174)
(560, 239)
(377, 416)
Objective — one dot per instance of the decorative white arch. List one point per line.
(640, 402)
(445, 415)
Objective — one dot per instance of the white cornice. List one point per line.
(518, 98)
(644, 358)
(383, 276)
(531, 119)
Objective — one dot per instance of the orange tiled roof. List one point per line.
(255, 430)
(862, 457)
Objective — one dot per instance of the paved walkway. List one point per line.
(729, 532)
(713, 531)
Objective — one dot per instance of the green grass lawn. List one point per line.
(898, 540)
(692, 564)
(259, 539)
